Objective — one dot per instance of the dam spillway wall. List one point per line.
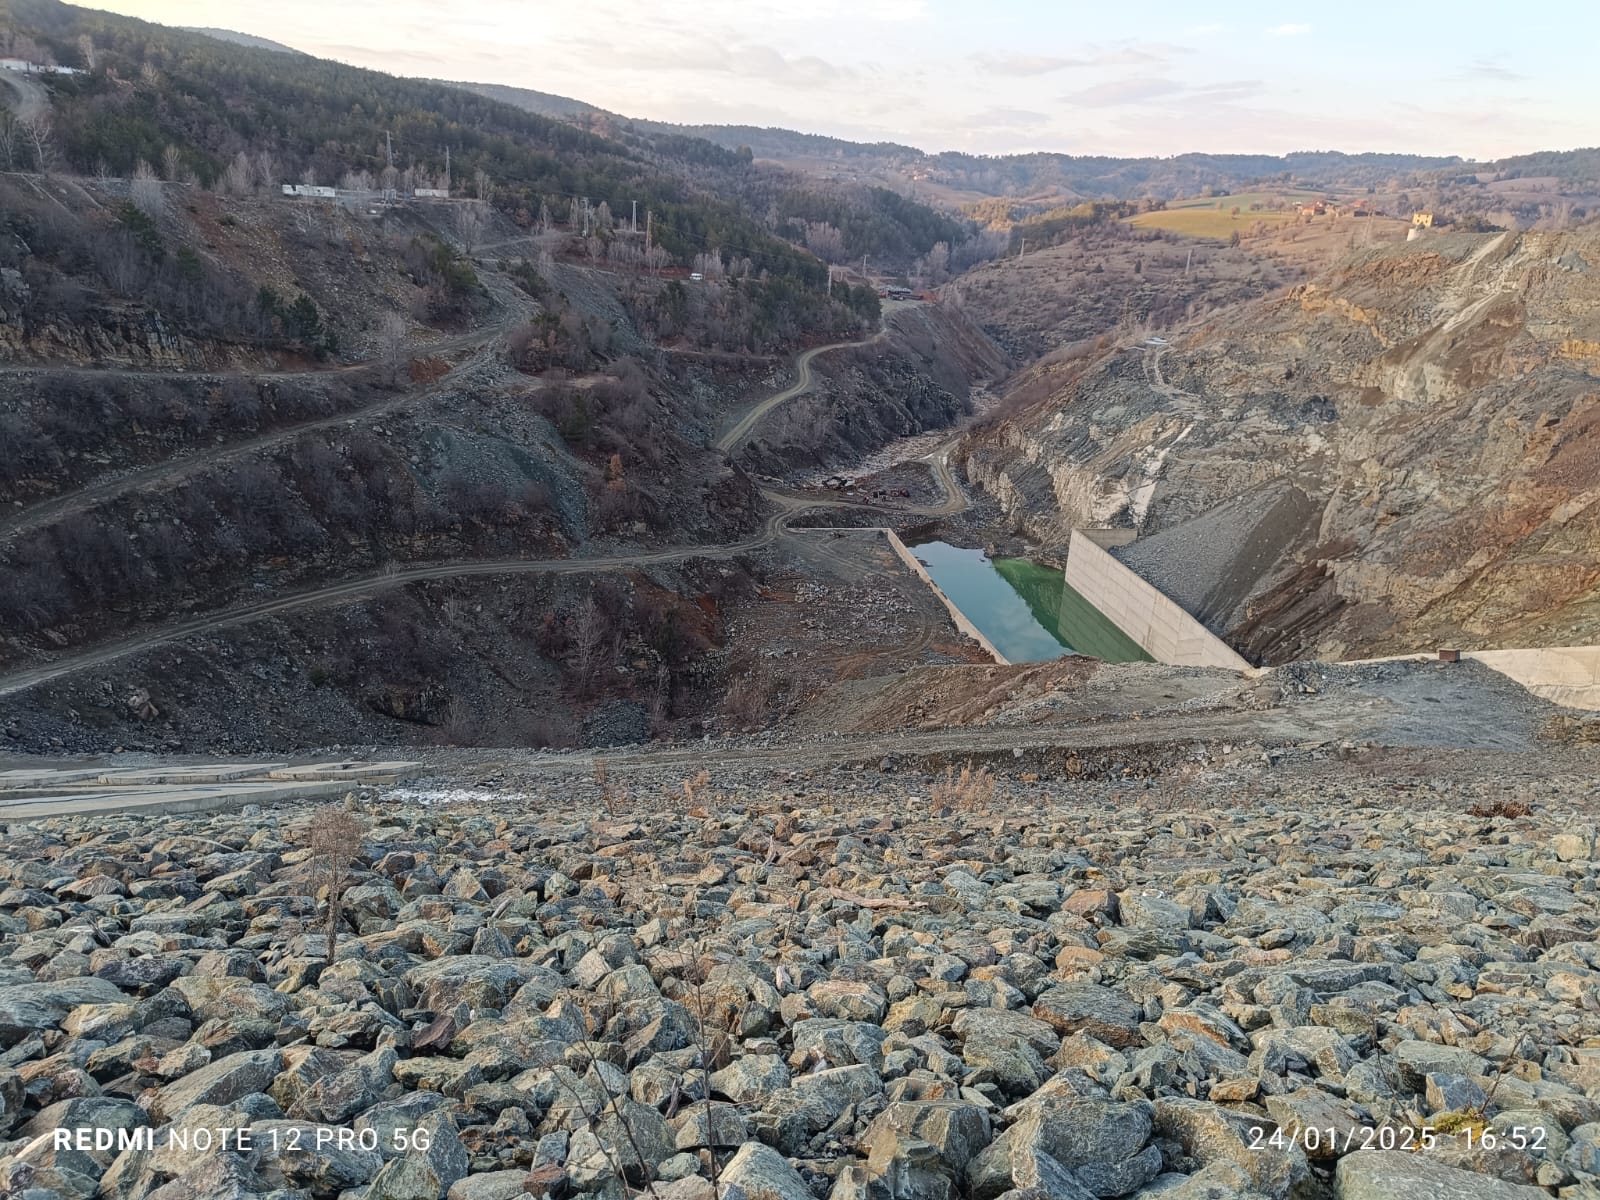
(1157, 623)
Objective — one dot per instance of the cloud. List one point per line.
(1292, 29)
(1204, 30)
(1483, 69)
(747, 61)
(1005, 118)
(1127, 54)
(1138, 91)
(1236, 89)
(1123, 91)
(1019, 64)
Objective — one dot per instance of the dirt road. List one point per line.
(364, 587)
(28, 96)
(743, 427)
(162, 474)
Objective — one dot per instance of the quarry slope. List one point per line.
(1399, 454)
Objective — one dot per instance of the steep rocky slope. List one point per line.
(1398, 454)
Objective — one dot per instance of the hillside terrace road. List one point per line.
(366, 586)
(15, 522)
(745, 425)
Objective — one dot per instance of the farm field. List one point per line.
(1213, 216)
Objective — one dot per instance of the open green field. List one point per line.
(1212, 216)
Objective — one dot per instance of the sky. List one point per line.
(1470, 77)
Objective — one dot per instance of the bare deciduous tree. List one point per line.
(588, 634)
(239, 178)
(38, 135)
(10, 136)
(392, 343)
(144, 190)
(334, 841)
(469, 225)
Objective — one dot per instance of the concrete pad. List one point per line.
(164, 799)
(46, 776)
(353, 771)
(197, 773)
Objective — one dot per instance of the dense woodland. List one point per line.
(238, 118)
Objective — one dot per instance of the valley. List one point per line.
(548, 654)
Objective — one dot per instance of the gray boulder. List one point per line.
(221, 1082)
(761, 1173)
(25, 1007)
(1098, 1011)
(1400, 1175)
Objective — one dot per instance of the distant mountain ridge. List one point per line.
(242, 39)
(1058, 175)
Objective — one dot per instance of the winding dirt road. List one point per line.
(362, 588)
(32, 100)
(741, 429)
(367, 586)
(19, 521)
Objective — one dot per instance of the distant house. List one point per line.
(1422, 220)
(31, 68)
(310, 189)
(432, 193)
(1315, 208)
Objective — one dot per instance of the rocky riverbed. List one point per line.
(772, 991)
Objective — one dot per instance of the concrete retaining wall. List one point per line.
(956, 615)
(1565, 675)
(1161, 628)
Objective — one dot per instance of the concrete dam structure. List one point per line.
(1157, 623)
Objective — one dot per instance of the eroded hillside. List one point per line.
(1403, 453)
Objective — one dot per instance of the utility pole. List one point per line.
(1024, 249)
(1187, 261)
(388, 141)
(447, 168)
(635, 226)
(864, 268)
(586, 216)
(649, 228)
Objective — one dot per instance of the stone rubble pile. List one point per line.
(803, 1001)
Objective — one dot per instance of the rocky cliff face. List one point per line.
(1401, 454)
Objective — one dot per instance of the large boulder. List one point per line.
(1100, 1145)
(26, 1007)
(1102, 1013)
(1401, 1175)
(474, 980)
(761, 1173)
(221, 1082)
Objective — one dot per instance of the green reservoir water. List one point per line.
(1026, 609)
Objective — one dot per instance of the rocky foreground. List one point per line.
(785, 996)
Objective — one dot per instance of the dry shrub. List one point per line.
(334, 839)
(693, 788)
(750, 699)
(1501, 808)
(613, 797)
(970, 791)
(427, 370)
